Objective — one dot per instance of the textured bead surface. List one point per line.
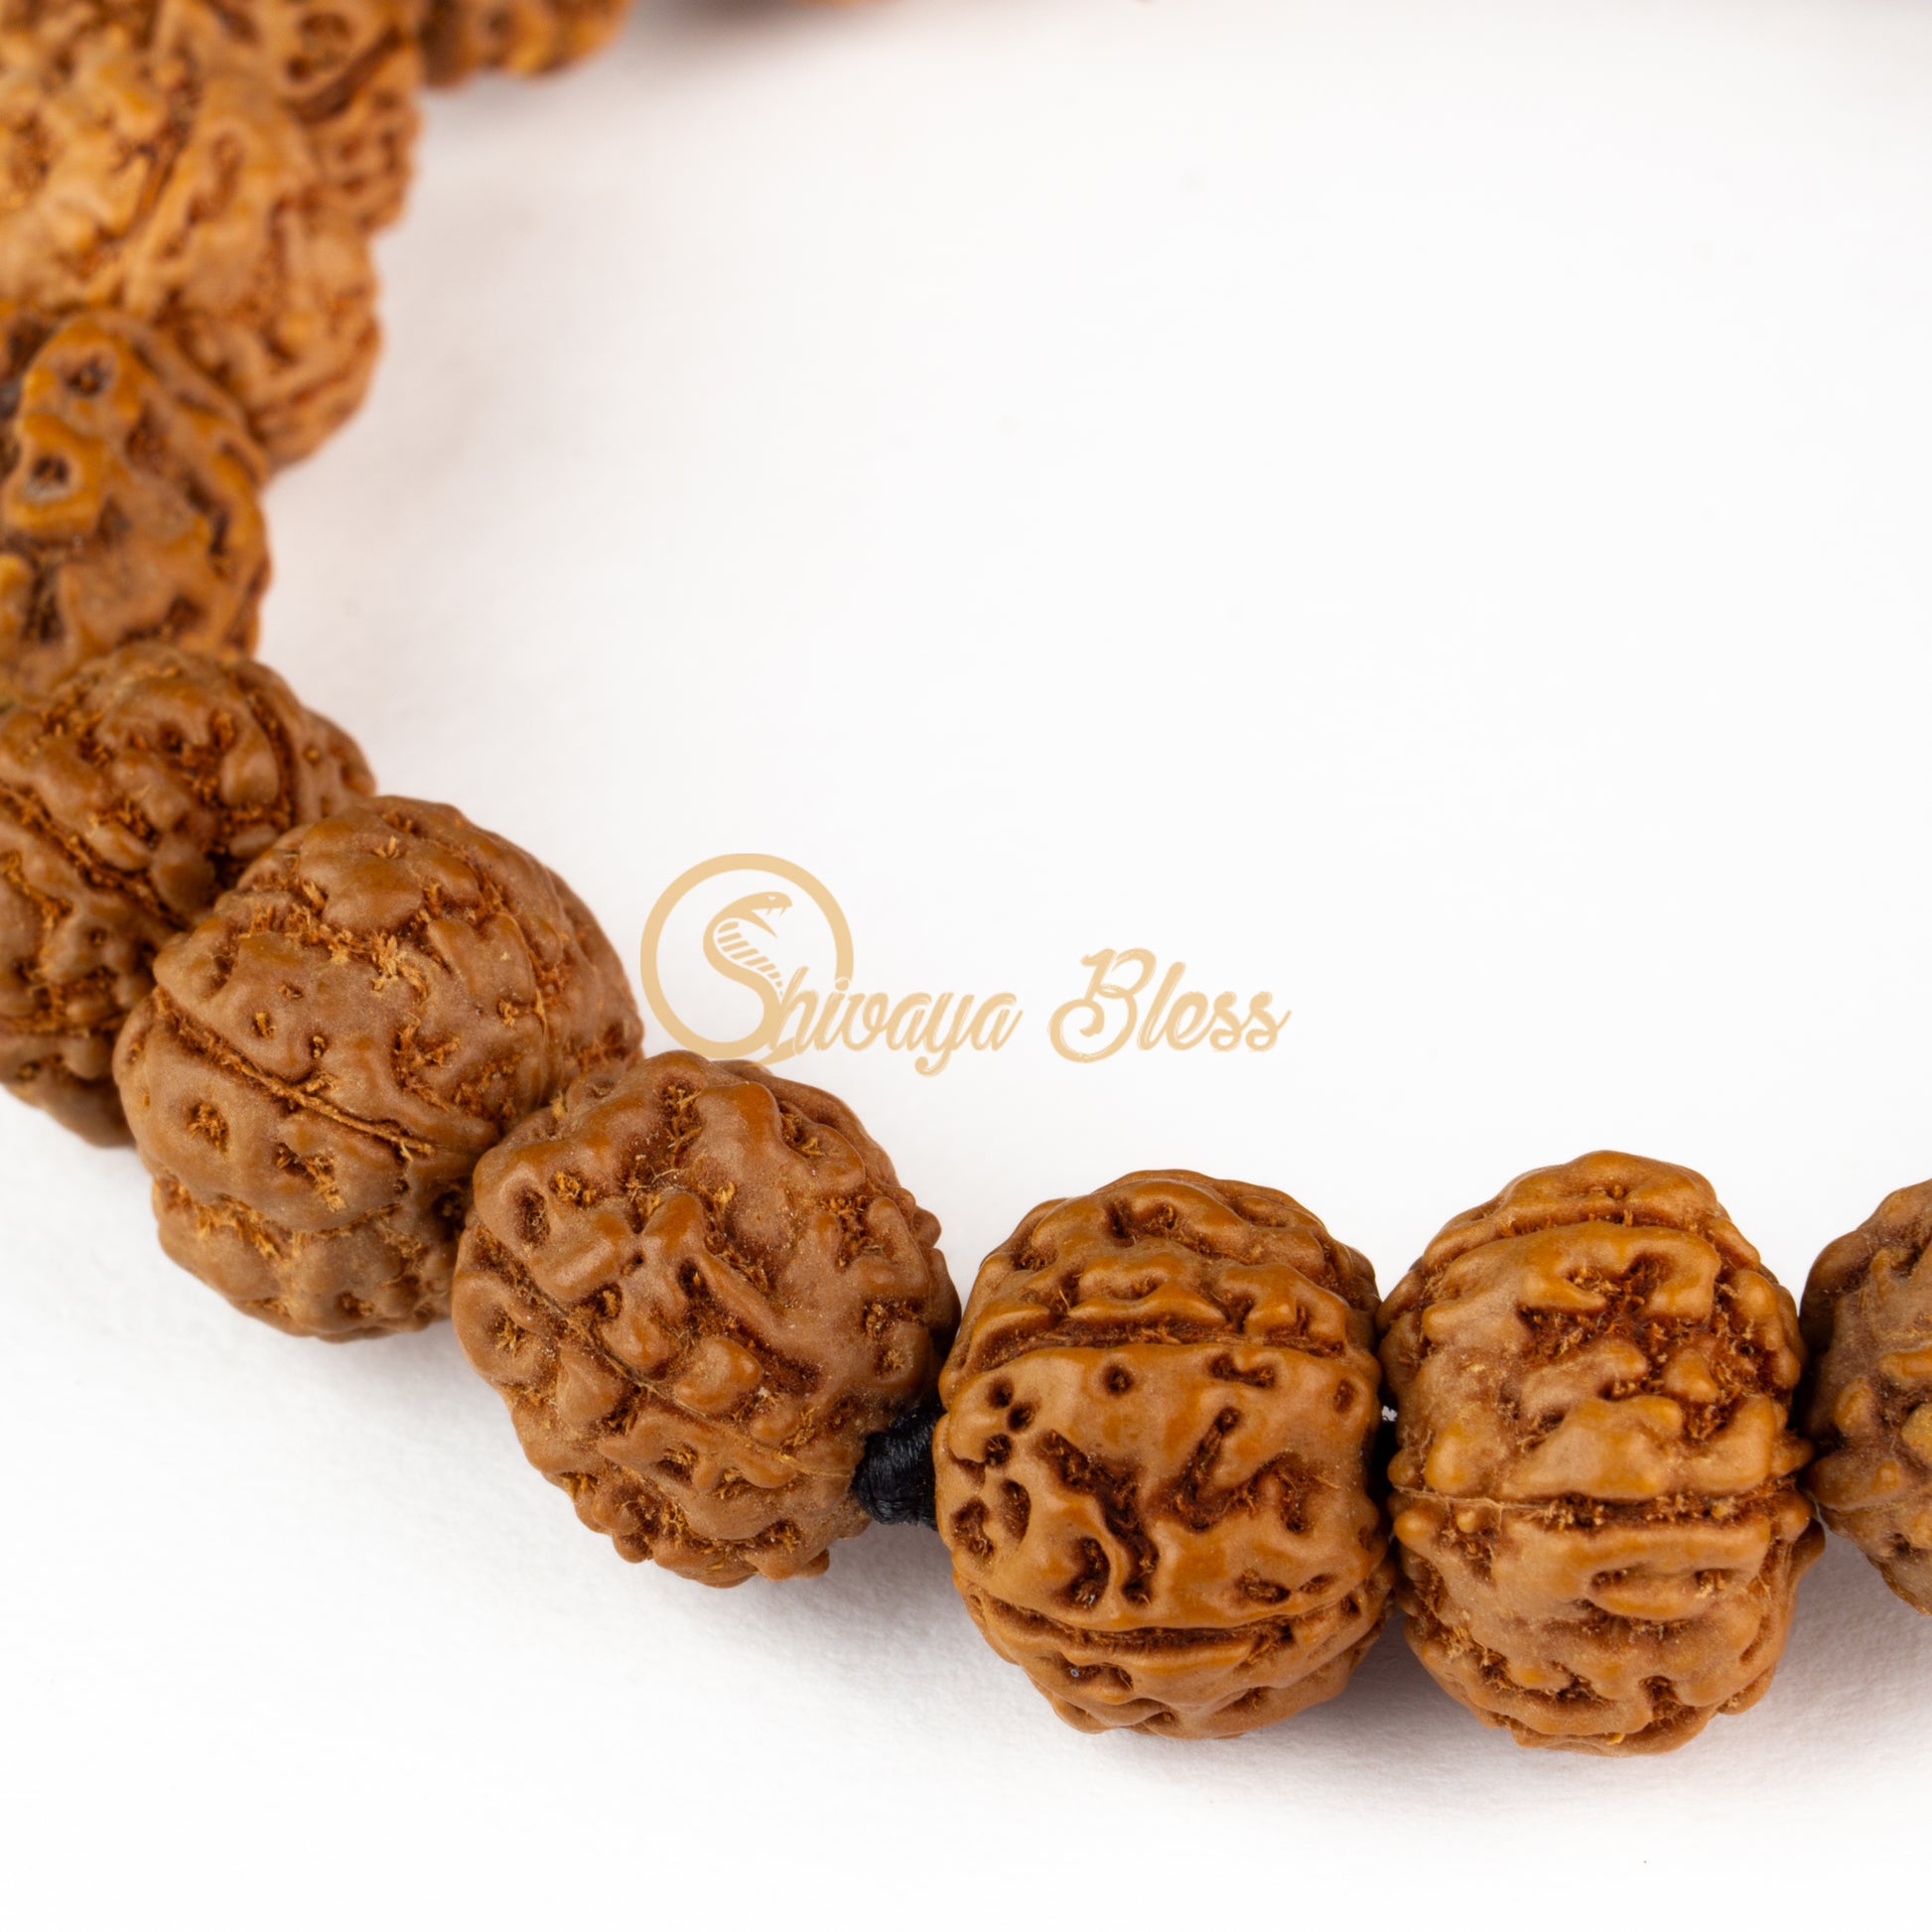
(1153, 1468)
(188, 195)
(1594, 1495)
(1868, 1319)
(130, 797)
(326, 1055)
(527, 36)
(129, 499)
(698, 1288)
(348, 71)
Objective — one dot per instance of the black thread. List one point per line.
(894, 1483)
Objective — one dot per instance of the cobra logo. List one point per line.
(744, 943)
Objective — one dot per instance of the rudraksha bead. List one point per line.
(188, 194)
(129, 499)
(526, 37)
(1868, 1319)
(326, 1055)
(700, 1289)
(1595, 1492)
(1155, 1465)
(349, 72)
(131, 796)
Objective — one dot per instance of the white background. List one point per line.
(1419, 507)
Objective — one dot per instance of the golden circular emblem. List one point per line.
(737, 946)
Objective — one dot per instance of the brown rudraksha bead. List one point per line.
(527, 36)
(325, 1056)
(187, 194)
(349, 70)
(1867, 1321)
(1595, 1491)
(698, 1288)
(130, 797)
(1154, 1473)
(128, 505)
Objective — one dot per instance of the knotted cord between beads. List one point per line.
(894, 1483)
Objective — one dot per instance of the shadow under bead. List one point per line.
(131, 796)
(701, 1291)
(129, 499)
(1594, 1488)
(1867, 1321)
(326, 1055)
(185, 194)
(1154, 1473)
